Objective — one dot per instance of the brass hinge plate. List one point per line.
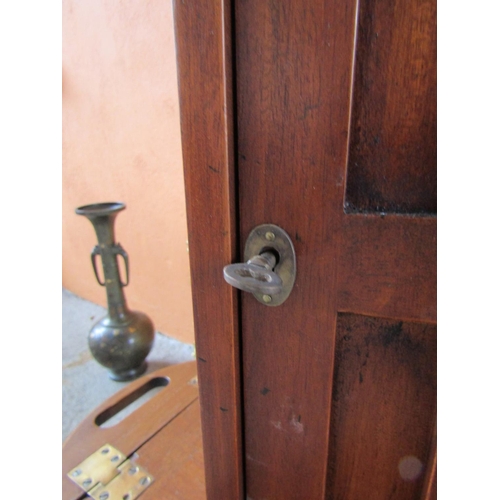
(108, 475)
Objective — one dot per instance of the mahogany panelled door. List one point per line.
(318, 117)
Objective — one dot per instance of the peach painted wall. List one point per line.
(121, 142)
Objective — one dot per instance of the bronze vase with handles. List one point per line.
(123, 338)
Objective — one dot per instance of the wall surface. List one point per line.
(121, 142)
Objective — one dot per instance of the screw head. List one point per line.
(104, 495)
(76, 472)
(144, 481)
(267, 298)
(270, 236)
(87, 482)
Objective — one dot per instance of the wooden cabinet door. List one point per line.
(333, 138)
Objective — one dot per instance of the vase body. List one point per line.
(122, 339)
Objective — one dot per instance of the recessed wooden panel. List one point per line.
(392, 152)
(383, 409)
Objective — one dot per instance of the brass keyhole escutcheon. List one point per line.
(270, 266)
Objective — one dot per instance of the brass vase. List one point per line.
(123, 338)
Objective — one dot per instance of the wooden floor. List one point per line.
(163, 436)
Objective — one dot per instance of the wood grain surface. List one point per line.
(132, 432)
(204, 57)
(384, 402)
(392, 153)
(174, 457)
(388, 267)
(298, 116)
(293, 67)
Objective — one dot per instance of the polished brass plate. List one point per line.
(270, 237)
(130, 482)
(108, 475)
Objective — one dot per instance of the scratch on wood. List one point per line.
(297, 426)
(256, 461)
(307, 109)
(277, 425)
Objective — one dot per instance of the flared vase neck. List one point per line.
(102, 216)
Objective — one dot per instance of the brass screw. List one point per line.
(267, 298)
(270, 236)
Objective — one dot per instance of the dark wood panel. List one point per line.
(384, 405)
(293, 86)
(388, 267)
(204, 55)
(392, 154)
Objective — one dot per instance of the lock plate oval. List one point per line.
(271, 237)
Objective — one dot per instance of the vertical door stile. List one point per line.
(204, 57)
(293, 71)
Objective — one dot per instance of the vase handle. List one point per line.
(95, 252)
(118, 250)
